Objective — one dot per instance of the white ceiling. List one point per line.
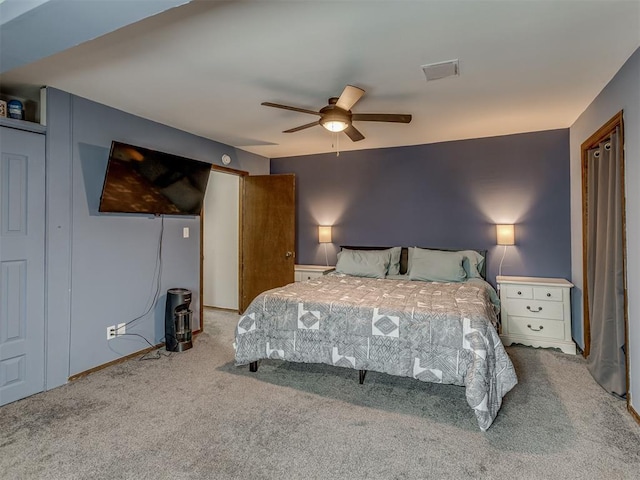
(206, 66)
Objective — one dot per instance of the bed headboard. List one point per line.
(404, 255)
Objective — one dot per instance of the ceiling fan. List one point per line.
(337, 116)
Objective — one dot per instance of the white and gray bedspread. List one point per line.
(434, 332)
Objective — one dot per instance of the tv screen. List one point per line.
(139, 180)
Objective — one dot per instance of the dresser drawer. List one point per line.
(309, 275)
(301, 276)
(308, 272)
(547, 293)
(519, 291)
(535, 309)
(536, 327)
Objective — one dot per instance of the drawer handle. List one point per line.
(519, 292)
(548, 294)
(535, 329)
(534, 311)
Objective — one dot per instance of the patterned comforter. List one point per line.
(434, 332)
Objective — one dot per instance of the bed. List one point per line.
(421, 313)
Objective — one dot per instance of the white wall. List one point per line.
(221, 236)
(622, 93)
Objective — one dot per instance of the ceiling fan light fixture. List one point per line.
(335, 125)
(334, 120)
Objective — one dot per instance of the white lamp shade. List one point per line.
(324, 234)
(505, 234)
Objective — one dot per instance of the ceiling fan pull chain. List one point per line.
(337, 144)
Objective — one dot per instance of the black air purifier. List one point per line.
(177, 320)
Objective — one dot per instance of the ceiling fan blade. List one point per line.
(381, 117)
(353, 133)
(287, 107)
(349, 96)
(302, 127)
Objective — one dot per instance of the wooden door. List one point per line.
(22, 222)
(267, 234)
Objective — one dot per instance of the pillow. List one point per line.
(394, 266)
(400, 276)
(436, 266)
(364, 263)
(472, 263)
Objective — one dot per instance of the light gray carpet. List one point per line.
(194, 415)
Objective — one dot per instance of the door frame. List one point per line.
(241, 174)
(601, 134)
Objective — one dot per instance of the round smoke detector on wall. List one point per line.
(226, 159)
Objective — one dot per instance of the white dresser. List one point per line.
(536, 311)
(307, 272)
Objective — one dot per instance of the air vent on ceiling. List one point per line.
(436, 71)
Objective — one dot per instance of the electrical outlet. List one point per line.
(116, 330)
(111, 332)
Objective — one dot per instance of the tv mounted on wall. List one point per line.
(140, 180)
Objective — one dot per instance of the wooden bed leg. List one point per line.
(253, 366)
(363, 373)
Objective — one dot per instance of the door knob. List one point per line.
(288, 254)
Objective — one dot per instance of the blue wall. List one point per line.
(442, 195)
(101, 267)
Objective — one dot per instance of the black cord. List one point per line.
(159, 354)
(135, 335)
(157, 277)
(157, 274)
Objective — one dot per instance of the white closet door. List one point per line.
(22, 222)
(221, 237)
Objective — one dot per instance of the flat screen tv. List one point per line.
(139, 180)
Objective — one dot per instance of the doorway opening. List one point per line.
(219, 239)
(605, 322)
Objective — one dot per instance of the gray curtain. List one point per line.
(605, 271)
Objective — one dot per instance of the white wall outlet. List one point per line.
(116, 330)
(185, 232)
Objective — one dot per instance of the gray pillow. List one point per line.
(436, 266)
(472, 263)
(394, 266)
(364, 263)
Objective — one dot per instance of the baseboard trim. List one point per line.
(123, 359)
(232, 310)
(114, 362)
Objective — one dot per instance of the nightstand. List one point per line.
(536, 312)
(307, 272)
